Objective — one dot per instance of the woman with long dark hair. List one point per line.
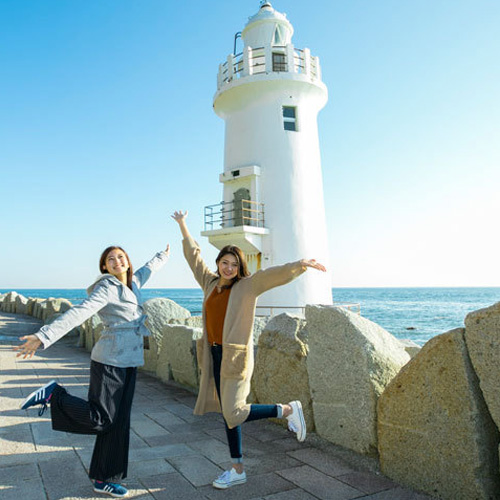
(115, 297)
(225, 353)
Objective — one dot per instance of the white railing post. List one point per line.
(247, 61)
(268, 55)
(290, 57)
(230, 67)
(219, 76)
(307, 62)
(318, 68)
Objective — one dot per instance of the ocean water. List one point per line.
(417, 314)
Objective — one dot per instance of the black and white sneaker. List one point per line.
(40, 397)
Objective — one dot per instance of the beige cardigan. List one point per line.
(237, 339)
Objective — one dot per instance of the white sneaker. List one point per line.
(229, 478)
(296, 422)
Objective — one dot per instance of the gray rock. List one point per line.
(54, 306)
(435, 432)
(177, 355)
(160, 312)
(21, 304)
(280, 373)
(32, 305)
(482, 336)
(351, 360)
(410, 347)
(9, 302)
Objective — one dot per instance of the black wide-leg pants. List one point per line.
(106, 414)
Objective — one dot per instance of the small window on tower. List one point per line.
(279, 62)
(279, 36)
(290, 118)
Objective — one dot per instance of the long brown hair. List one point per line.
(238, 254)
(102, 263)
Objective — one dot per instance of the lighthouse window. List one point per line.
(279, 62)
(279, 36)
(290, 118)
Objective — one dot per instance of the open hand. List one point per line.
(314, 264)
(29, 347)
(179, 216)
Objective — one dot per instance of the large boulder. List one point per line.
(9, 302)
(21, 304)
(177, 355)
(54, 306)
(482, 336)
(280, 373)
(91, 329)
(351, 360)
(159, 312)
(435, 432)
(32, 306)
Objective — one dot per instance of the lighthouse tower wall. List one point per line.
(290, 184)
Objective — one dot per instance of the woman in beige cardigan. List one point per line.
(225, 353)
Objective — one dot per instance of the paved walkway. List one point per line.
(174, 455)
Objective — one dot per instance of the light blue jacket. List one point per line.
(120, 309)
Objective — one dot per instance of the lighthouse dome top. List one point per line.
(267, 27)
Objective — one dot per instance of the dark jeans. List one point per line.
(257, 412)
(105, 414)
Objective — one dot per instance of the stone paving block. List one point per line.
(164, 418)
(398, 494)
(318, 484)
(322, 461)
(145, 427)
(171, 487)
(266, 463)
(197, 470)
(64, 478)
(176, 438)
(212, 449)
(18, 473)
(146, 468)
(167, 451)
(254, 447)
(29, 489)
(45, 436)
(256, 487)
(366, 482)
(291, 495)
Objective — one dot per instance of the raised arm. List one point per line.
(202, 274)
(72, 318)
(143, 274)
(275, 276)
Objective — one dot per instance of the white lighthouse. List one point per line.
(269, 97)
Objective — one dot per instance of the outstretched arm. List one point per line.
(72, 318)
(281, 275)
(201, 272)
(143, 274)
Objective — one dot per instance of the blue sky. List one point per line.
(107, 128)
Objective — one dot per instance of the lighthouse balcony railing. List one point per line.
(234, 214)
(262, 60)
(263, 311)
